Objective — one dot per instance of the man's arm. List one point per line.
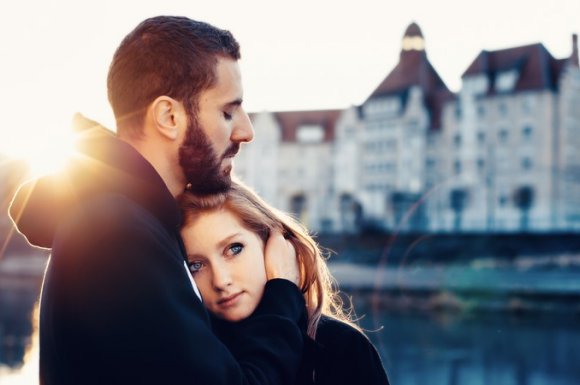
(128, 313)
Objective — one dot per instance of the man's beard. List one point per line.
(200, 164)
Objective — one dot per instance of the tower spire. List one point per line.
(413, 38)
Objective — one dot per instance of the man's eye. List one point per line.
(195, 266)
(227, 116)
(235, 249)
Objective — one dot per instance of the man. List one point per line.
(117, 304)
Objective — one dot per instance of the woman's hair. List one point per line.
(256, 215)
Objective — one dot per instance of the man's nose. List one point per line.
(243, 130)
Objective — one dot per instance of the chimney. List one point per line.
(574, 56)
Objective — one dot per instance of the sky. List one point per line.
(296, 55)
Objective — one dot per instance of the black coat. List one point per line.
(117, 304)
(341, 354)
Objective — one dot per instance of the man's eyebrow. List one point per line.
(234, 103)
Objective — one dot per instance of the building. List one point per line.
(500, 155)
(401, 125)
(289, 163)
(505, 143)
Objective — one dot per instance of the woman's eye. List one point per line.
(235, 249)
(195, 266)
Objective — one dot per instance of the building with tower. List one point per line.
(500, 155)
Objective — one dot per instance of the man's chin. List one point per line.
(211, 187)
(227, 172)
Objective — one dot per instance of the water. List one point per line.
(474, 349)
(416, 348)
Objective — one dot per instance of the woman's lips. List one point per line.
(229, 301)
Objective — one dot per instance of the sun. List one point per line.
(50, 159)
(45, 152)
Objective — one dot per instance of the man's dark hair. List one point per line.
(164, 55)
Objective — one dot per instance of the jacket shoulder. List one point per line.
(349, 357)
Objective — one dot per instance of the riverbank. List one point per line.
(533, 283)
(395, 249)
(463, 287)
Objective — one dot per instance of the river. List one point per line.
(436, 348)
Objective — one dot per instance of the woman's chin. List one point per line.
(233, 316)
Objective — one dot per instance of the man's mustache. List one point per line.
(231, 151)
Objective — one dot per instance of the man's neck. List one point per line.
(150, 151)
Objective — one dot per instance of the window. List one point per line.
(527, 133)
(298, 204)
(528, 104)
(503, 110)
(526, 163)
(310, 134)
(506, 80)
(502, 200)
(481, 137)
(458, 111)
(457, 167)
(457, 140)
(480, 164)
(480, 111)
(503, 135)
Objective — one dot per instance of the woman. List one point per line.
(224, 236)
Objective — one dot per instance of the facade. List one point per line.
(290, 163)
(503, 137)
(500, 155)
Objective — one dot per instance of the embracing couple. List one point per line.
(164, 270)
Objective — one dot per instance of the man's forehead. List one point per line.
(228, 86)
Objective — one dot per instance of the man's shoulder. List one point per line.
(114, 210)
(111, 217)
(113, 230)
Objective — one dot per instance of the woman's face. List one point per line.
(227, 263)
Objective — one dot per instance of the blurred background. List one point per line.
(433, 147)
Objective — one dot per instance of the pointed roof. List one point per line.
(413, 30)
(537, 69)
(415, 69)
(290, 121)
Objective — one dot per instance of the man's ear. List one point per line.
(168, 116)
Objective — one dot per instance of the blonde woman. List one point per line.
(224, 236)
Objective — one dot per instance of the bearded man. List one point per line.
(118, 305)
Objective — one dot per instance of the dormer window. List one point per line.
(390, 106)
(475, 84)
(506, 80)
(310, 134)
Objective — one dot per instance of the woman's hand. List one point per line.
(280, 258)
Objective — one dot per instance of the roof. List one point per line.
(413, 30)
(290, 121)
(415, 69)
(537, 68)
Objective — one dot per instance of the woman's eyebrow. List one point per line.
(227, 239)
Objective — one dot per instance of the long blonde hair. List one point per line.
(316, 282)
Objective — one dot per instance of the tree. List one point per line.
(524, 199)
(458, 201)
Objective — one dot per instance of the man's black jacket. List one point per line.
(117, 305)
